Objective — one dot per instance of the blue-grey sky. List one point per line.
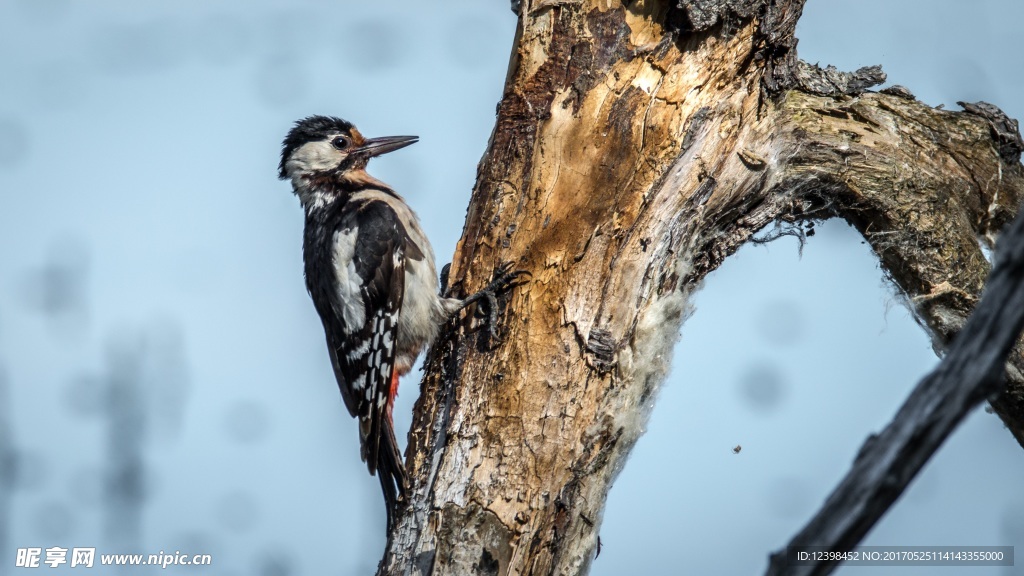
(145, 237)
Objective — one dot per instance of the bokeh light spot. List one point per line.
(762, 386)
(788, 498)
(14, 143)
(780, 322)
(54, 521)
(247, 422)
(29, 470)
(86, 486)
(466, 38)
(220, 39)
(149, 47)
(281, 81)
(374, 45)
(59, 85)
(43, 10)
(87, 395)
(276, 563)
(237, 511)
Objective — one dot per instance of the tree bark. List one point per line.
(636, 146)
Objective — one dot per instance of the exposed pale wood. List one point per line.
(635, 148)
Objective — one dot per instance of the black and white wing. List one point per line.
(368, 260)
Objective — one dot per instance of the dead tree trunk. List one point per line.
(636, 146)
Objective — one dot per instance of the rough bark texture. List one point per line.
(636, 146)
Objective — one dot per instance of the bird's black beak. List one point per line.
(377, 146)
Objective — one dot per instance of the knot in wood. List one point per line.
(601, 347)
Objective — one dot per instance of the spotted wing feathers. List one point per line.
(362, 335)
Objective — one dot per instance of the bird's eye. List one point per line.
(340, 143)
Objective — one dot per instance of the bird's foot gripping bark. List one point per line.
(504, 279)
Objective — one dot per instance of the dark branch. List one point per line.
(973, 370)
(1005, 130)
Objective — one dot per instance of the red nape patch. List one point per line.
(392, 392)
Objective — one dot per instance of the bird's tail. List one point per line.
(381, 454)
(391, 470)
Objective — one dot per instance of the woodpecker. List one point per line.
(370, 272)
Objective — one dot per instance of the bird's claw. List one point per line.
(504, 278)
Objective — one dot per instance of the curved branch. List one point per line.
(927, 188)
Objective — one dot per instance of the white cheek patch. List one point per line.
(313, 157)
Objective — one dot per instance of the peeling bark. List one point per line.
(812, 79)
(637, 146)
